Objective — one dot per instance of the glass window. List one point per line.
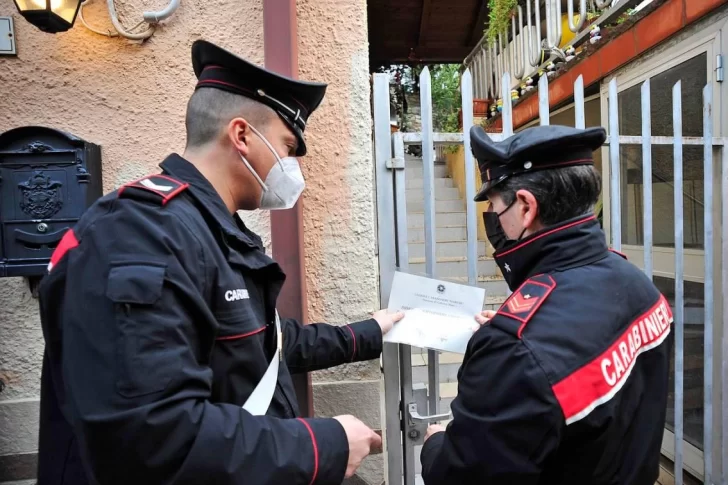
(693, 74)
(693, 360)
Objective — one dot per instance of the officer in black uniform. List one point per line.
(159, 312)
(567, 383)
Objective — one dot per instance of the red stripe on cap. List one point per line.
(599, 381)
(68, 242)
(315, 450)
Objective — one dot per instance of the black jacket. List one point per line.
(568, 383)
(158, 315)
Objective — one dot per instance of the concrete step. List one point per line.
(418, 183)
(440, 206)
(454, 267)
(442, 219)
(418, 171)
(441, 193)
(444, 233)
(457, 248)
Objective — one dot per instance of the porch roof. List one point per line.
(424, 31)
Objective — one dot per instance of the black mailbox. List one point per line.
(47, 180)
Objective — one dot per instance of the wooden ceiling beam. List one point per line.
(478, 26)
(397, 55)
(424, 20)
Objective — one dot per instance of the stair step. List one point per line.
(452, 267)
(418, 183)
(457, 249)
(442, 233)
(442, 219)
(415, 171)
(455, 205)
(441, 193)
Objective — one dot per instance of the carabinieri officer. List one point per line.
(567, 383)
(166, 362)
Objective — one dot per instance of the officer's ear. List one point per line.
(527, 207)
(239, 133)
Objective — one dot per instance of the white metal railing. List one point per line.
(525, 52)
(393, 255)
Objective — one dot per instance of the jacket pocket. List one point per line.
(145, 361)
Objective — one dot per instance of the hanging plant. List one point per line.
(499, 18)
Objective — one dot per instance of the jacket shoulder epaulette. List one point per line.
(156, 188)
(523, 304)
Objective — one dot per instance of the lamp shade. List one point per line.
(49, 15)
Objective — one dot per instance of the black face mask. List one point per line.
(494, 230)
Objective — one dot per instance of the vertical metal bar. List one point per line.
(614, 169)
(534, 50)
(579, 116)
(487, 72)
(387, 262)
(576, 26)
(647, 176)
(472, 228)
(543, 99)
(405, 369)
(507, 106)
(400, 201)
(519, 55)
(708, 282)
(679, 275)
(724, 300)
(433, 367)
(475, 65)
(484, 74)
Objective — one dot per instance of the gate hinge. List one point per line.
(395, 163)
(719, 73)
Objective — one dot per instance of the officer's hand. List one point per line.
(483, 317)
(361, 441)
(432, 429)
(387, 320)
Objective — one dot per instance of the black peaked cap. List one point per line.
(293, 100)
(537, 148)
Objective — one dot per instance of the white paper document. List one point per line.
(439, 315)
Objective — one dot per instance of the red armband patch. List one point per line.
(164, 187)
(523, 304)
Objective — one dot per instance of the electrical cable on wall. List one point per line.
(151, 19)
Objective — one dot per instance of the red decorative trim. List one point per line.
(68, 242)
(353, 336)
(165, 197)
(315, 450)
(548, 233)
(601, 379)
(241, 335)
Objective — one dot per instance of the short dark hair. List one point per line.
(210, 109)
(561, 193)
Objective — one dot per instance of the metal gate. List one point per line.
(410, 406)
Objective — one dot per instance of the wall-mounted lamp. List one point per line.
(49, 15)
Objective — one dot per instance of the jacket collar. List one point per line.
(209, 201)
(572, 243)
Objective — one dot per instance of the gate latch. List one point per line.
(415, 417)
(395, 163)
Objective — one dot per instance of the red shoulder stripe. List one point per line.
(599, 380)
(68, 242)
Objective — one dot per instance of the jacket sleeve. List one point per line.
(320, 345)
(135, 370)
(506, 422)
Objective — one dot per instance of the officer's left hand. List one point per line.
(387, 320)
(432, 429)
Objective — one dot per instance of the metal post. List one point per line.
(433, 367)
(472, 228)
(543, 99)
(724, 301)
(708, 282)
(387, 262)
(679, 274)
(614, 169)
(579, 116)
(507, 106)
(647, 176)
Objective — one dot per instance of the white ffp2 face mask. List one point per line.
(284, 183)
